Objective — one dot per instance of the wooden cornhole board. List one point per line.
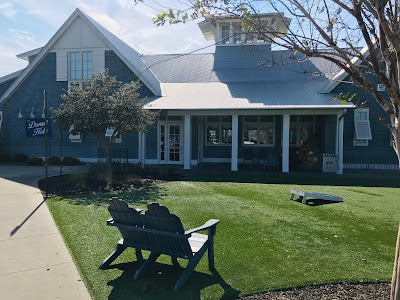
(303, 195)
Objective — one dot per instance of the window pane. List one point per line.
(227, 134)
(292, 135)
(213, 134)
(306, 119)
(250, 136)
(250, 118)
(361, 116)
(225, 34)
(249, 36)
(306, 132)
(87, 65)
(237, 29)
(75, 65)
(227, 119)
(266, 135)
(213, 119)
(266, 118)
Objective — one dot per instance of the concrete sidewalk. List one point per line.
(34, 263)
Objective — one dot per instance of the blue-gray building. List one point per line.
(244, 104)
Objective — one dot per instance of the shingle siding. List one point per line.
(30, 94)
(378, 150)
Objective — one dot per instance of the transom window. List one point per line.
(301, 129)
(218, 130)
(80, 65)
(259, 131)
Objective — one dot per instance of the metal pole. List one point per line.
(61, 138)
(45, 141)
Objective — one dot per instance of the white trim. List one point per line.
(217, 160)
(10, 76)
(340, 125)
(25, 55)
(259, 111)
(74, 138)
(362, 127)
(152, 162)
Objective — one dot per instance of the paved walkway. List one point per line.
(34, 261)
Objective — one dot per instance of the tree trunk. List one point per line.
(395, 288)
(109, 164)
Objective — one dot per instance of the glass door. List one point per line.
(171, 143)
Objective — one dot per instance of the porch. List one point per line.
(260, 139)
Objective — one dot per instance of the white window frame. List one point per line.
(299, 124)
(74, 138)
(77, 83)
(81, 78)
(259, 125)
(1, 118)
(220, 124)
(364, 122)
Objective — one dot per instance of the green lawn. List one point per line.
(264, 241)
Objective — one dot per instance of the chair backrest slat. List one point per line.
(157, 218)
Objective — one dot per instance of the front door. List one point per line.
(171, 143)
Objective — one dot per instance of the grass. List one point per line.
(264, 241)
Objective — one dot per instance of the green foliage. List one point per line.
(348, 98)
(5, 157)
(35, 161)
(70, 161)
(54, 160)
(20, 157)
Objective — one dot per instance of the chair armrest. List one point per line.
(210, 225)
(110, 221)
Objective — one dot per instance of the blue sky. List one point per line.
(27, 24)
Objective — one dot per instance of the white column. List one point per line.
(187, 157)
(285, 143)
(235, 142)
(142, 153)
(339, 144)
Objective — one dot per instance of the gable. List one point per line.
(77, 36)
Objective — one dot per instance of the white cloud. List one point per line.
(7, 9)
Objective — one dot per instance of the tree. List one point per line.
(335, 30)
(104, 103)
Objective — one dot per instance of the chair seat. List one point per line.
(196, 241)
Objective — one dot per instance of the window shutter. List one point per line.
(362, 125)
(61, 66)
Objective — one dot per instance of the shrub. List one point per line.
(20, 157)
(98, 171)
(70, 161)
(4, 157)
(35, 161)
(53, 160)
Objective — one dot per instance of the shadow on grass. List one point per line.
(358, 180)
(140, 196)
(159, 281)
(316, 202)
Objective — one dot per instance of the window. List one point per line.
(219, 130)
(225, 34)
(237, 29)
(301, 129)
(362, 127)
(259, 131)
(74, 138)
(249, 36)
(80, 65)
(171, 118)
(118, 137)
(74, 85)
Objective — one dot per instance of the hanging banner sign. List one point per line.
(36, 127)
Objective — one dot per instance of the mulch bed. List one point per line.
(364, 291)
(62, 185)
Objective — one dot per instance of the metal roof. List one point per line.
(181, 68)
(244, 95)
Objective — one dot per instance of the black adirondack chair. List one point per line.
(159, 231)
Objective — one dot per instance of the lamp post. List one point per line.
(46, 127)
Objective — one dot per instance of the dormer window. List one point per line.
(237, 29)
(80, 65)
(225, 33)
